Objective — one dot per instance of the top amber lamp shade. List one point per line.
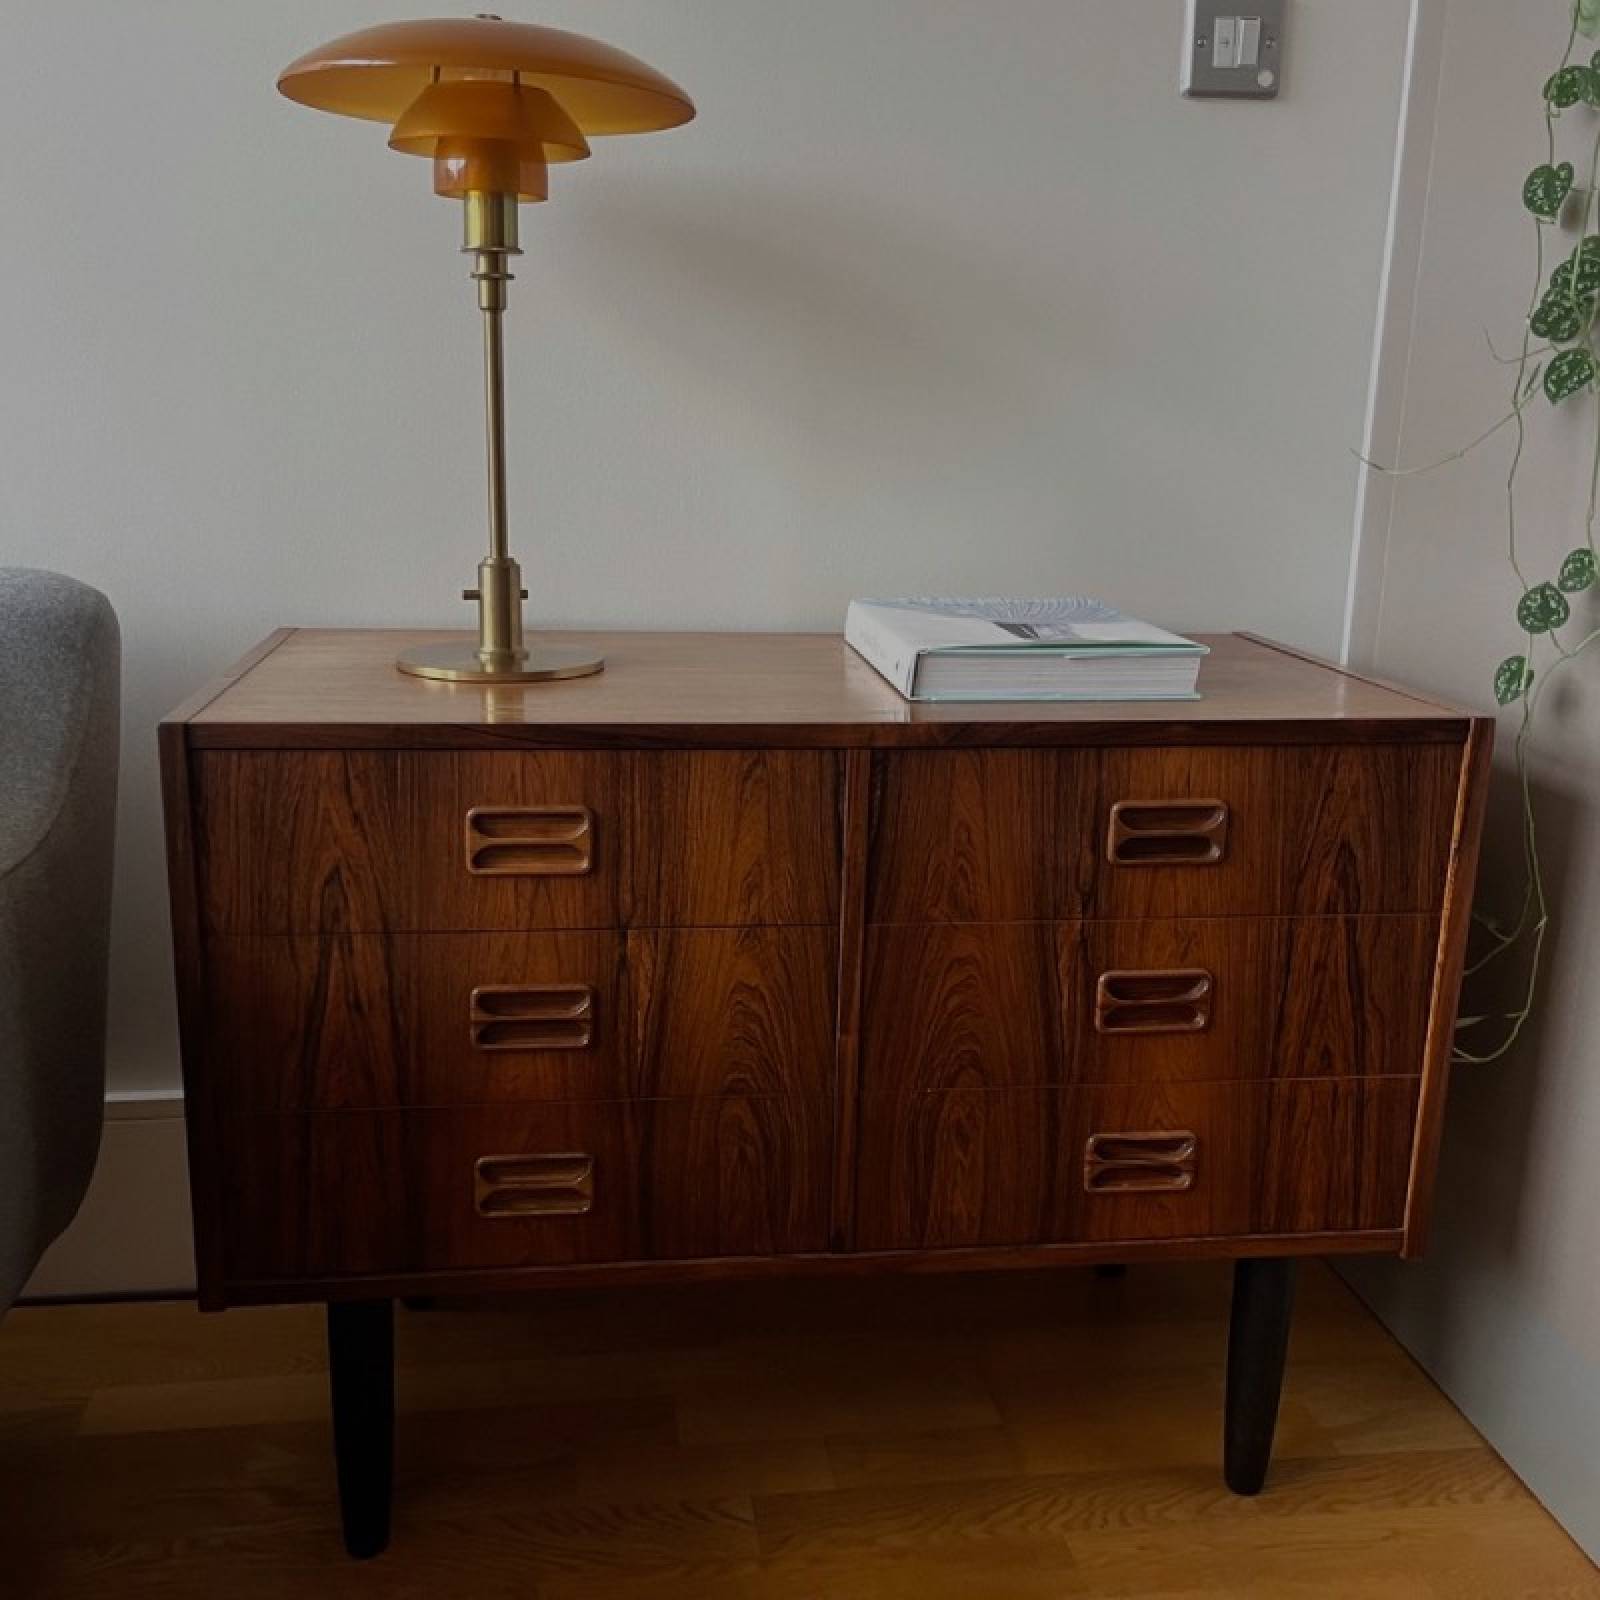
(491, 103)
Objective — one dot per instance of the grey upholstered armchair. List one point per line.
(59, 694)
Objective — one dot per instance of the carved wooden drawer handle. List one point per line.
(530, 841)
(1167, 833)
(537, 1016)
(533, 1186)
(1139, 1163)
(1157, 1000)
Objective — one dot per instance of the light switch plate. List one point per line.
(1221, 37)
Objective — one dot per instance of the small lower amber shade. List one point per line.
(486, 165)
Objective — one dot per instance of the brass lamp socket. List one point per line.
(489, 222)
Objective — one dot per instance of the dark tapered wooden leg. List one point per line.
(1258, 1340)
(361, 1378)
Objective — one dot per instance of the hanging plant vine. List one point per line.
(1559, 359)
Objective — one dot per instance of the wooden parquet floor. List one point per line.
(1010, 1437)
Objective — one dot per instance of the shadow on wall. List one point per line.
(1489, 1144)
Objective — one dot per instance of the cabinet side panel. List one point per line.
(189, 961)
(1472, 798)
(854, 803)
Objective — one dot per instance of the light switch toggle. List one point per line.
(1236, 42)
(1233, 49)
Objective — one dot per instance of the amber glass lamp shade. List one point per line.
(378, 72)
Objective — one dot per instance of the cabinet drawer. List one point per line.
(734, 838)
(970, 835)
(530, 840)
(360, 1021)
(1317, 1156)
(351, 1021)
(960, 1006)
(995, 836)
(355, 842)
(1130, 1163)
(1029, 1004)
(1216, 998)
(358, 842)
(362, 1192)
(1309, 830)
(733, 1011)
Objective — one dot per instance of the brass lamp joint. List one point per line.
(489, 222)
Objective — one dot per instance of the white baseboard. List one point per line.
(132, 1235)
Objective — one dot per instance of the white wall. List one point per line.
(1505, 1310)
(944, 295)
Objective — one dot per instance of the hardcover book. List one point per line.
(1072, 648)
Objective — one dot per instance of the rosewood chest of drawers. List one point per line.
(729, 961)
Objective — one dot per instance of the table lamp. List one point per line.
(491, 103)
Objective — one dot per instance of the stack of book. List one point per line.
(1068, 649)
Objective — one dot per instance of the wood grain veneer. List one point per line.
(1002, 835)
(734, 837)
(1472, 799)
(966, 1168)
(960, 1006)
(357, 1193)
(949, 1006)
(743, 1011)
(338, 688)
(838, 963)
(367, 1021)
(364, 841)
(1289, 997)
(360, 1021)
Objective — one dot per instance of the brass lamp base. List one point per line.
(461, 663)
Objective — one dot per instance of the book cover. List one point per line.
(993, 648)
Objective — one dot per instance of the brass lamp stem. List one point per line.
(491, 236)
(494, 409)
(491, 239)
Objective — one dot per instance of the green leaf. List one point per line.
(1542, 608)
(1586, 18)
(1578, 571)
(1567, 87)
(1511, 679)
(1558, 318)
(1584, 263)
(1571, 371)
(1547, 187)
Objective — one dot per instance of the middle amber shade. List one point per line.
(488, 135)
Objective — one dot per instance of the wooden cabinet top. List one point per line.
(338, 688)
